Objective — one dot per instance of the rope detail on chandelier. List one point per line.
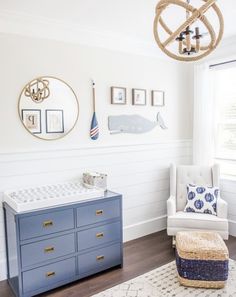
(182, 35)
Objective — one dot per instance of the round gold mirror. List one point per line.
(48, 108)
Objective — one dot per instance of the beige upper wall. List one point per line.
(24, 58)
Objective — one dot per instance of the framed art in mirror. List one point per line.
(32, 120)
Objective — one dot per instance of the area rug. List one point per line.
(163, 282)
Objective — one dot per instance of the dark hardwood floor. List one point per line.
(140, 256)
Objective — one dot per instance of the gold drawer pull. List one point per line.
(99, 212)
(100, 258)
(49, 249)
(100, 235)
(50, 274)
(47, 224)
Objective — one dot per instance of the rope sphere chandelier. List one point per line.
(189, 42)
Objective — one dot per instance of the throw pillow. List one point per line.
(202, 199)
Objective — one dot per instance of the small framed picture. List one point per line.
(54, 121)
(138, 97)
(158, 98)
(32, 120)
(118, 95)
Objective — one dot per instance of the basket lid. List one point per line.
(201, 245)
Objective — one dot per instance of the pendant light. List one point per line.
(188, 36)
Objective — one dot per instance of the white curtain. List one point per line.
(203, 115)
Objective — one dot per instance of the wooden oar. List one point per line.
(94, 130)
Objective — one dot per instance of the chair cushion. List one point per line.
(201, 199)
(197, 221)
(196, 175)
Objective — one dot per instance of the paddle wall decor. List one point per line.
(94, 129)
(134, 124)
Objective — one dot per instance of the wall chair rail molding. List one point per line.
(139, 171)
(29, 154)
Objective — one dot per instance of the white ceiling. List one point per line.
(130, 18)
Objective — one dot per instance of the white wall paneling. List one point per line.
(139, 172)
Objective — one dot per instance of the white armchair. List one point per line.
(178, 220)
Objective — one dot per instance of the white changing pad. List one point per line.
(49, 195)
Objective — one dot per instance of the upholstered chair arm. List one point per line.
(222, 208)
(171, 206)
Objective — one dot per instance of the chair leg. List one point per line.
(173, 242)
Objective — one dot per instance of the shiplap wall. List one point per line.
(139, 172)
(228, 193)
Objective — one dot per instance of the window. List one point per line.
(224, 90)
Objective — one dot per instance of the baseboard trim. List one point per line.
(232, 228)
(145, 228)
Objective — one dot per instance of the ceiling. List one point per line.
(130, 18)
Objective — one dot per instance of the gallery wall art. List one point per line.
(139, 97)
(118, 95)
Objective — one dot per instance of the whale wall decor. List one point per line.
(135, 124)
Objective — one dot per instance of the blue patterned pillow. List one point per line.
(201, 199)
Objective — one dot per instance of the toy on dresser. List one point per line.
(95, 179)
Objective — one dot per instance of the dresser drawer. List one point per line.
(48, 275)
(99, 260)
(49, 249)
(95, 213)
(99, 235)
(44, 224)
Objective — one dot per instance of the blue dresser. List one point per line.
(50, 247)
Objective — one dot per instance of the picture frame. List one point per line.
(54, 120)
(139, 97)
(31, 118)
(158, 98)
(118, 95)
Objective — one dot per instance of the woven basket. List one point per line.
(201, 259)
